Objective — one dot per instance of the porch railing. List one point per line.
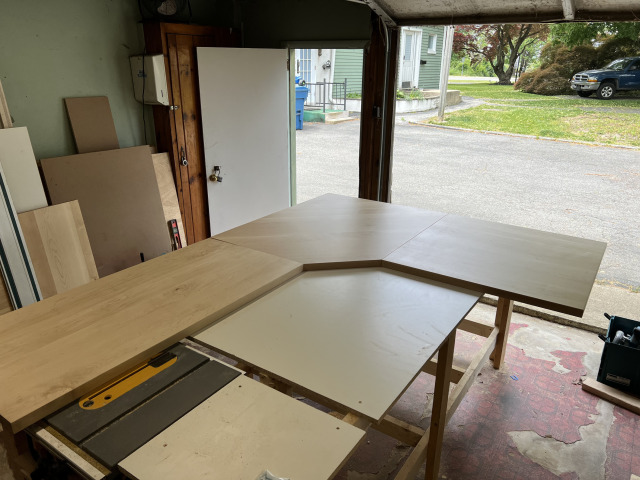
(326, 94)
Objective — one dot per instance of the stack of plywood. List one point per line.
(110, 204)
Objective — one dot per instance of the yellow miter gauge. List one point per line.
(116, 388)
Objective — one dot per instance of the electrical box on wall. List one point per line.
(149, 77)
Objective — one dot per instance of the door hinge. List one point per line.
(288, 64)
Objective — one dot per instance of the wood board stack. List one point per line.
(127, 196)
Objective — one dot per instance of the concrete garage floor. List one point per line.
(530, 420)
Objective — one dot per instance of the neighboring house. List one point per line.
(420, 58)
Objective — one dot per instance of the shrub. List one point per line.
(525, 82)
(550, 81)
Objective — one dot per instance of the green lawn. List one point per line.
(572, 118)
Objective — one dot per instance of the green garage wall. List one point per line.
(69, 48)
(73, 48)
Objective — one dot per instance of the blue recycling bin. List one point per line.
(301, 96)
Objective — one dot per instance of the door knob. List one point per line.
(215, 175)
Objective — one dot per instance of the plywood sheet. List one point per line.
(168, 195)
(120, 203)
(241, 431)
(92, 124)
(540, 268)
(21, 170)
(61, 348)
(333, 228)
(59, 247)
(357, 337)
(5, 116)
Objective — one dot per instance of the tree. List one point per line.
(573, 34)
(500, 45)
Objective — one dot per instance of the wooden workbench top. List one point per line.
(539, 268)
(56, 350)
(333, 229)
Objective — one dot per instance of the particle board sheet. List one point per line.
(333, 229)
(59, 247)
(63, 347)
(168, 195)
(120, 202)
(357, 337)
(241, 431)
(21, 169)
(539, 268)
(92, 124)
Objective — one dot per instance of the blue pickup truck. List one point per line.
(621, 74)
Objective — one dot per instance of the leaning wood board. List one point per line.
(5, 116)
(92, 124)
(21, 169)
(59, 247)
(539, 268)
(357, 337)
(120, 203)
(332, 228)
(612, 395)
(168, 195)
(241, 431)
(59, 349)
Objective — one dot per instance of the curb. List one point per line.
(519, 135)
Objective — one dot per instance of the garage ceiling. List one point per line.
(460, 12)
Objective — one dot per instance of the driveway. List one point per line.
(574, 189)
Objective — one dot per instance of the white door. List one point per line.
(244, 98)
(409, 73)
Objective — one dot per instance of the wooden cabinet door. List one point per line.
(179, 127)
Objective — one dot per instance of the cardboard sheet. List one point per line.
(119, 200)
(92, 124)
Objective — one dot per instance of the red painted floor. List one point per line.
(538, 397)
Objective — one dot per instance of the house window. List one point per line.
(432, 44)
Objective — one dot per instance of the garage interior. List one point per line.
(108, 264)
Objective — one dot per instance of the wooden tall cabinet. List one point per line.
(179, 127)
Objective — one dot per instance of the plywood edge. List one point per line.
(19, 422)
(83, 238)
(5, 116)
(612, 395)
(37, 252)
(339, 265)
(574, 310)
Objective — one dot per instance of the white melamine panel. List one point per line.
(357, 337)
(245, 121)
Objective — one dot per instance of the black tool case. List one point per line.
(620, 364)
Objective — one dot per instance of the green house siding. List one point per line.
(430, 72)
(348, 64)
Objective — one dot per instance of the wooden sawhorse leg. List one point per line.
(503, 320)
(440, 403)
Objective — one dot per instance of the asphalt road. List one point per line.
(582, 190)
